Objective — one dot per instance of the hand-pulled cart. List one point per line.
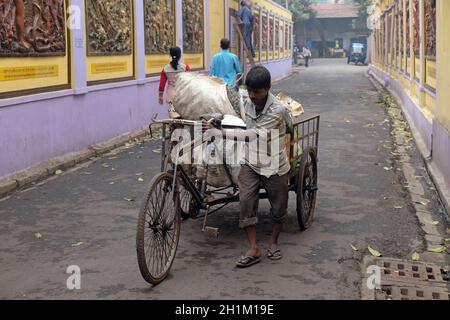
(177, 193)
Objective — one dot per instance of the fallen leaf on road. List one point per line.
(130, 199)
(370, 125)
(415, 256)
(111, 183)
(87, 173)
(105, 165)
(439, 249)
(140, 179)
(387, 168)
(398, 207)
(57, 172)
(422, 202)
(433, 222)
(38, 235)
(157, 150)
(374, 252)
(385, 198)
(353, 247)
(77, 244)
(112, 158)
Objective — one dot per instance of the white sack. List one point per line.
(197, 94)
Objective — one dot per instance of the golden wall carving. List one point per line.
(271, 35)
(408, 19)
(416, 28)
(32, 28)
(160, 23)
(256, 28)
(109, 27)
(193, 26)
(430, 28)
(264, 33)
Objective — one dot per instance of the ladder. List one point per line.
(246, 49)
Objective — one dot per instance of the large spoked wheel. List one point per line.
(158, 229)
(306, 188)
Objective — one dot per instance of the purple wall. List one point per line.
(33, 132)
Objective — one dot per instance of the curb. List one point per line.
(434, 173)
(25, 178)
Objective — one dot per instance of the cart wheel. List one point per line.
(306, 188)
(158, 229)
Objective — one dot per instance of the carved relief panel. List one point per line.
(265, 29)
(416, 27)
(32, 28)
(430, 28)
(271, 35)
(256, 28)
(109, 27)
(277, 35)
(193, 27)
(407, 30)
(160, 22)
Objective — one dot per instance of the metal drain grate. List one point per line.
(394, 269)
(407, 280)
(418, 292)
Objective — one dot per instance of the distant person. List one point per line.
(296, 51)
(168, 75)
(306, 54)
(226, 65)
(246, 16)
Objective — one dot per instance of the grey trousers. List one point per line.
(249, 184)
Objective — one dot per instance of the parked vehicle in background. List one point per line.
(357, 53)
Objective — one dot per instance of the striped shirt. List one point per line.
(273, 117)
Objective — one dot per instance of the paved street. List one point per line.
(82, 217)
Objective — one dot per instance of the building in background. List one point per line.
(332, 28)
(64, 89)
(411, 56)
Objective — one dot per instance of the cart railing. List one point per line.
(306, 134)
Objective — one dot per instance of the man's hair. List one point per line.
(258, 78)
(225, 44)
(243, 3)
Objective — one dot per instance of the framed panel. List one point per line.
(408, 37)
(194, 33)
(277, 39)
(34, 50)
(256, 32)
(416, 36)
(109, 27)
(160, 33)
(271, 38)
(265, 37)
(430, 43)
(110, 43)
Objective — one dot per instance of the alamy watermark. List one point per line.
(74, 280)
(259, 147)
(374, 280)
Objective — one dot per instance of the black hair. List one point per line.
(175, 53)
(243, 3)
(258, 78)
(225, 44)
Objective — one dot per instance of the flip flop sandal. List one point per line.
(274, 255)
(247, 261)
